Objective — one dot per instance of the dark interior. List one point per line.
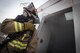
(61, 33)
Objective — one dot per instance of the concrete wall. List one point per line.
(58, 7)
(43, 31)
(76, 15)
(43, 34)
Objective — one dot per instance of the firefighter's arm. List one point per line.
(33, 43)
(9, 26)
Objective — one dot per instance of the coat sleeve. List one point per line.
(33, 43)
(9, 26)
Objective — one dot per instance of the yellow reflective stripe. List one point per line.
(18, 42)
(20, 26)
(17, 46)
(16, 26)
(25, 36)
(11, 44)
(22, 43)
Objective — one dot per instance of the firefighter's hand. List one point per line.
(29, 26)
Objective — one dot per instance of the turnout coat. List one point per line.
(9, 26)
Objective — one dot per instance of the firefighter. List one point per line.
(24, 43)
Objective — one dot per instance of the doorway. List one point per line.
(61, 26)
